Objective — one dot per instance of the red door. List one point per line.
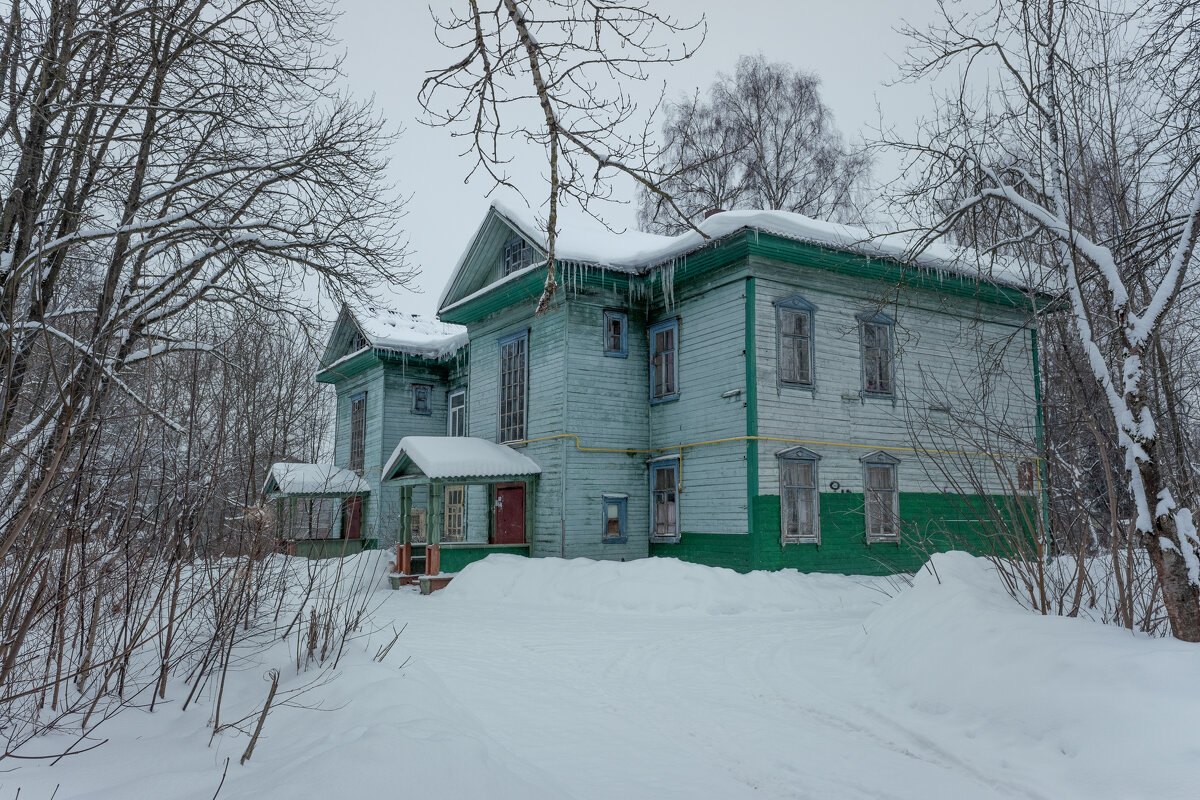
(510, 514)
(352, 518)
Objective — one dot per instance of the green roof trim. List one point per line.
(361, 362)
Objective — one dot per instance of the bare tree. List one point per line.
(762, 139)
(1078, 151)
(562, 63)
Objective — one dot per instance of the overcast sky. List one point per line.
(852, 44)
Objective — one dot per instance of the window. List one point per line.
(881, 498)
(517, 255)
(358, 430)
(613, 519)
(455, 502)
(616, 328)
(875, 332)
(664, 342)
(456, 413)
(417, 525)
(514, 373)
(357, 342)
(1025, 471)
(664, 487)
(794, 324)
(422, 399)
(799, 501)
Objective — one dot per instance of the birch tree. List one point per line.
(553, 73)
(1070, 135)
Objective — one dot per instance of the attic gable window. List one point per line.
(876, 335)
(799, 501)
(794, 327)
(357, 342)
(517, 255)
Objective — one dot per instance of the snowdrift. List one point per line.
(1121, 709)
(656, 585)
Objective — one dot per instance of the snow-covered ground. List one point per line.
(657, 679)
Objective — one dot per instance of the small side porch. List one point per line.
(318, 509)
(435, 542)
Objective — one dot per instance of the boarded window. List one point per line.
(795, 347)
(663, 364)
(511, 397)
(456, 413)
(616, 326)
(455, 502)
(422, 399)
(664, 480)
(358, 431)
(881, 502)
(613, 520)
(877, 357)
(517, 255)
(798, 500)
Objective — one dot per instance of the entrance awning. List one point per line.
(313, 480)
(450, 459)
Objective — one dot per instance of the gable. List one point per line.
(481, 264)
(344, 339)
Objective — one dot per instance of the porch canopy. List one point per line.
(313, 481)
(456, 459)
(446, 464)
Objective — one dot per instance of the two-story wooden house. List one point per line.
(754, 398)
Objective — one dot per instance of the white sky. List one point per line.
(852, 44)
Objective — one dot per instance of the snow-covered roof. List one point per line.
(313, 479)
(386, 329)
(638, 253)
(441, 457)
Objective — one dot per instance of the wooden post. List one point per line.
(433, 529)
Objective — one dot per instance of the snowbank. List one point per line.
(655, 585)
(1120, 709)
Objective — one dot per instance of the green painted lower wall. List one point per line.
(331, 548)
(455, 558)
(931, 523)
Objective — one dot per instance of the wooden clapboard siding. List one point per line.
(711, 364)
(607, 407)
(372, 382)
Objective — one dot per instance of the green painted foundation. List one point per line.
(931, 523)
(455, 558)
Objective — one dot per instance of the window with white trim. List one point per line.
(612, 519)
(454, 505)
(664, 362)
(456, 413)
(794, 325)
(799, 500)
(358, 431)
(514, 375)
(664, 500)
(876, 334)
(881, 497)
(422, 399)
(517, 255)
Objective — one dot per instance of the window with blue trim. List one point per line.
(664, 500)
(881, 497)
(422, 399)
(876, 336)
(794, 329)
(616, 334)
(612, 519)
(664, 362)
(514, 378)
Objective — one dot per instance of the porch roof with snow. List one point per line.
(466, 459)
(313, 480)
